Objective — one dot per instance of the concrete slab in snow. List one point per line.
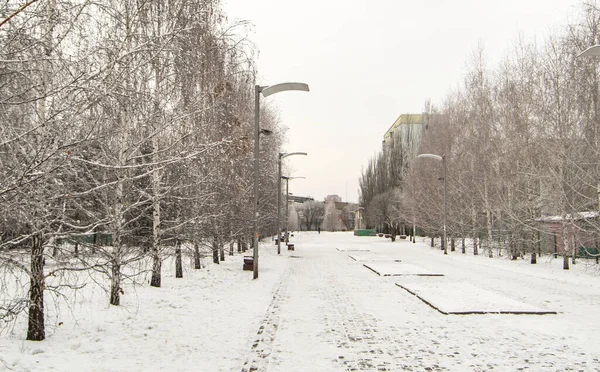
(398, 269)
(373, 258)
(465, 298)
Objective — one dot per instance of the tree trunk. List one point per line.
(156, 235)
(490, 240)
(452, 244)
(231, 248)
(513, 248)
(565, 262)
(488, 219)
(474, 218)
(239, 245)
(533, 258)
(222, 250)
(178, 263)
(432, 241)
(197, 263)
(539, 244)
(155, 179)
(215, 252)
(566, 244)
(95, 242)
(76, 250)
(36, 330)
(464, 248)
(115, 280)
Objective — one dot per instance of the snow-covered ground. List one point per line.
(318, 309)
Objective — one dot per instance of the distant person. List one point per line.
(319, 229)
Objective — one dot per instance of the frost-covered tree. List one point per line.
(332, 219)
(311, 214)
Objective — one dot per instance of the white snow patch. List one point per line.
(373, 257)
(398, 269)
(465, 298)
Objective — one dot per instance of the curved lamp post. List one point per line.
(281, 156)
(287, 193)
(266, 91)
(594, 50)
(443, 160)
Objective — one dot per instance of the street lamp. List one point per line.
(287, 193)
(594, 50)
(266, 91)
(443, 160)
(281, 156)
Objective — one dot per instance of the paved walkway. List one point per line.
(329, 313)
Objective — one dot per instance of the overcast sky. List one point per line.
(367, 62)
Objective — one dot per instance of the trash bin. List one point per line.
(248, 263)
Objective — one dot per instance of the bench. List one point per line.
(248, 263)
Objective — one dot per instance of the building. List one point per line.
(298, 199)
(334, 198)
(408, 128)
(582, 233)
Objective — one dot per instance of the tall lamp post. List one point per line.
(281, 156)
(594, 50)
(443, 160)
(287, 193)
(265, 91)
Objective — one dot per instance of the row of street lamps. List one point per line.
(266, 91)
(279, 177)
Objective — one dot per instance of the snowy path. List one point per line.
(336, 314)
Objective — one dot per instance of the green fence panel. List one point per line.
(588, 252)
(365, 232)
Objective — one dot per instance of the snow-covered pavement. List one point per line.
(318, 309)
(338, 315)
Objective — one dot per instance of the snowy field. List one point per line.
(317, 309)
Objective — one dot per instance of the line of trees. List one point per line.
(126, 129)
(521, 142)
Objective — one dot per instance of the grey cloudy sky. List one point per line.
(367, 62)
